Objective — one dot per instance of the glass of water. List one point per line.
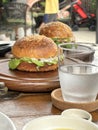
(78, 77)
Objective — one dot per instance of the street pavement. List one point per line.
(85, 36)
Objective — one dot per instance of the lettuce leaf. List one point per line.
(13, 63)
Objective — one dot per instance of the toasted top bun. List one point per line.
(56, 30)
(35, 46)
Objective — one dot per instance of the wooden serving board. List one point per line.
(28, 81)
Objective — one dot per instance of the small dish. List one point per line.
(6, 123)
(77, 113)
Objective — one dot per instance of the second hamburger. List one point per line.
(58, 31)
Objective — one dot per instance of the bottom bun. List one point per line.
(30, 67)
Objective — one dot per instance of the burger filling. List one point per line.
(13, 63)
(60, 40)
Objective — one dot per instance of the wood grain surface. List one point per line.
(37, 102)
(28, 81)
(28, 107)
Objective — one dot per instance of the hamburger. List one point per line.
(58, 31)
(36, 53)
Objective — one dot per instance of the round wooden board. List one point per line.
(58, 102)
(28, 81)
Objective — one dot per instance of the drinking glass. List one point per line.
(78, 77)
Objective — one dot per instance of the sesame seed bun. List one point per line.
(36, 47)
(57, 30)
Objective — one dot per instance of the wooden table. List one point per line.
(28, 107)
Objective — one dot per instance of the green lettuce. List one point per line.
(61, 40)
(13, 63)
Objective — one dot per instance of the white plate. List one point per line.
(6, 123)
(58, 122)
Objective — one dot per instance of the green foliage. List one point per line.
(94, 4)
(5, 1)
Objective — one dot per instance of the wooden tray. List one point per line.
(58, 102)
(27, 81)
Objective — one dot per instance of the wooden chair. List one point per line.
(15, 16)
